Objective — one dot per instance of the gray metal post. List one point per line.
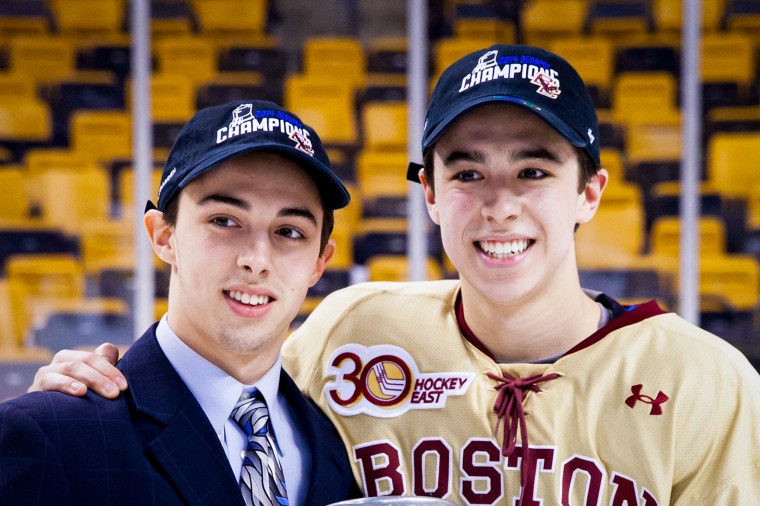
(142, 157)
(416, 89)
(691, 159)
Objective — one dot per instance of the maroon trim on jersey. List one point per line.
(466, 330)
(633, 314)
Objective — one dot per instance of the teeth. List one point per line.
(251, 300)
(504, 249)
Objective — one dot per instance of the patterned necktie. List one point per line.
(262, 480)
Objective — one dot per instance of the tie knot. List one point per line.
(251, 413)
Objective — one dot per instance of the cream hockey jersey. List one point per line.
(649, 410)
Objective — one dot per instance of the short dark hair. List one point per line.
(328, 220)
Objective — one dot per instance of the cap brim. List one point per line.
(334, 194)
(551, 119)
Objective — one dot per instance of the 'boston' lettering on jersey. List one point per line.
(484, 471)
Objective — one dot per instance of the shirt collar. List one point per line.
(216, 391)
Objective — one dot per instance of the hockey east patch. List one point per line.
(384, 381)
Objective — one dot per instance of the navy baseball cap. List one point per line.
(221, 132)
(526, 76)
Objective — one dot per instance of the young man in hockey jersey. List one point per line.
(513, 384)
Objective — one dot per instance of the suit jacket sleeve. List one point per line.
(31, 472)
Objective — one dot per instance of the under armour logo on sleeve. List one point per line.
(656, 402)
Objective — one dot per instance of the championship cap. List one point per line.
(221, 132)
(526, 76)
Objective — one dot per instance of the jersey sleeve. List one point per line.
(729, 472)
(304, 350)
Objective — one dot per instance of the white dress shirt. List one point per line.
(217, 393)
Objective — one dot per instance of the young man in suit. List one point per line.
(243, 217)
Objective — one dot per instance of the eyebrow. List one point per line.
(517, 156)
(246, 206)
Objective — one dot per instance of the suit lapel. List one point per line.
(327, 451)
(174, 430)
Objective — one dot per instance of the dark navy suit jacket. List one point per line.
(152, 445)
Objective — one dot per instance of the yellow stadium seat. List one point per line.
(35, 282)
(126, 190)
(732, 161)
(71, 198)
(382, 183)
(612, 160)
(88, 15)
(192, 58)
(351, 215)
(615, 235)
(593, 57)
(172, 98)
(16, 87)
(103, 134)
(342, 234)
(547, 20)
(499, 30)
(379, 170)
(225, 86)
(644, 96)
(728, 57)
(341, 57)
(8, 341)
(753, 207)
(326, 104)
(733, 278)
(24, 17)
(666, 233)
(170, 18)
(15, 204)
(384, 125)
(745, 18)
(25, 120)
(618, 18)
(447, 51)
(42, 59)
(107, 244)
(733, 118)
(387, 55)
(668, 15)
(40, 160)
(396, 268)
(654, 141)
(231, 16)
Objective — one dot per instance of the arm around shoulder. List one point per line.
(31, 472)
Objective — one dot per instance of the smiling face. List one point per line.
(244, 251)
(506, 198)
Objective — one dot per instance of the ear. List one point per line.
(429, 198)
(321, 264)
(589, 199)
(161, 236)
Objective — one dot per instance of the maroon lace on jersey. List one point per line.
(511, 416)
(509, 403)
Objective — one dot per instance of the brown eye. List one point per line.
(467, 175)
(290, 233)
(533, 174)
(223, 221)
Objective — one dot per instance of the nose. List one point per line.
(256, 257)
(501, 205)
